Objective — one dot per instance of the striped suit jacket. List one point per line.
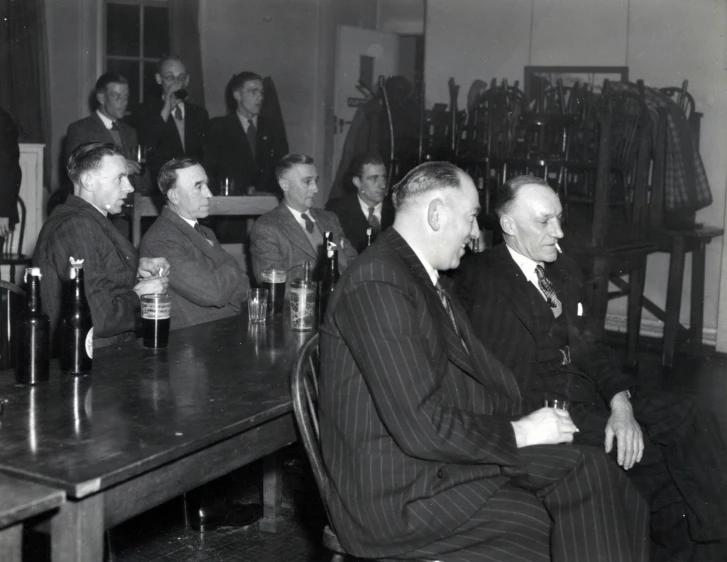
(205, 282)
(415, 431)
(77, 229)
(494, 291)
(278, 241)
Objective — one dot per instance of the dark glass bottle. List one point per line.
(76, 325)
(329, 276)
(33, 335)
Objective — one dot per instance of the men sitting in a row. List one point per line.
(292, 233)
(369, 207)
(79, 228)
(170, 126)
(528, 304)
(208, 283)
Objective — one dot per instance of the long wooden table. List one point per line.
(144, 428)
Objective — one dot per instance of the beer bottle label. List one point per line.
(89, 343)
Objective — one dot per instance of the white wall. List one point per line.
(661, 41)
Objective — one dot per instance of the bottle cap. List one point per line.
(33, 272)
(75, 266)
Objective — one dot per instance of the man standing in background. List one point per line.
(10, 175)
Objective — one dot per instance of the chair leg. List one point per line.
(673, 300)
(696, 312)
(12, 274)
(599, 306)
(110, 554)
(636, 296)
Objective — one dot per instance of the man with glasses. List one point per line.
(170, 126)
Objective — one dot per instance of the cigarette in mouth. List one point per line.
(557, 247)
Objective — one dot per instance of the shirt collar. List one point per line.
(365, 207)
(108, 123)
(191, 223)
(526, 265)
(245, 121)
(297, 214)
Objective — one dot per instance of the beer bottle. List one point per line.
(33, 335)
(76, 325)
(329, 276)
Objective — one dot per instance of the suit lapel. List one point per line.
(202, 243)
(512, 283)
(293, 231)
(453, 346)
(241, 136)
(102, 128)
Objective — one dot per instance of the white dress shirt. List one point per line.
(245, 122)
(297, 215)
(365, 208)
(528, 268)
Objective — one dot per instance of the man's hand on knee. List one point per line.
(547, 426)
(629, 439)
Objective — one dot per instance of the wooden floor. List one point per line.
(160, 535)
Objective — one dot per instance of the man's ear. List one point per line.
(237, 94)
(284, 184)
(173, 196)
(100, 98)
(507, 224)
(434, 214)
(158, 78)
(87, 181)
(356, 181)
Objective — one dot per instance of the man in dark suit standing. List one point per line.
(207, 283)
(292, 233)
(10, 175)
(528, 304)
(242, 146)
(170, 126)
(369, 209)
(80, 228)
(422, 431)
(106, 125)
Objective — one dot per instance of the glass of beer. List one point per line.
(257, 304)
(303, 305)
(156, 315)
(274, 281)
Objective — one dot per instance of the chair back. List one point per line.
(304, 390)
(14, 241)
(681, 97)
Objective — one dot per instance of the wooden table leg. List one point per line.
(77, 531)
(673, 300)
(11, 543)
(272, 492)
(696, 312)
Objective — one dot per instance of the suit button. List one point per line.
(440, 474)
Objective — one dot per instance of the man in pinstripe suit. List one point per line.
(673, 453)
(422, 432)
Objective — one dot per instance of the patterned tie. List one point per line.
(252, 137)
(549, 291)
(374, 222)
(178, 114)
(309, 225)
(444, 297)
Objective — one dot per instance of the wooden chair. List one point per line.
(13, 247)
(304, 390)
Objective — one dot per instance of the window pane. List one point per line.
(151, 88)
(156, 32)
(122, 29)
(129, 69)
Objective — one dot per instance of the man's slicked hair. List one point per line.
(109, 78)
(87, 158)
(507, 192)
(167, 178)
(426, 177)
(289, 161)
(368, 159)
(168, 58)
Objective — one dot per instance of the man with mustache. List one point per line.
(528, 304)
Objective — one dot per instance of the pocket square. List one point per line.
(580, 309)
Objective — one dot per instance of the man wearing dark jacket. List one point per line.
(528, 305)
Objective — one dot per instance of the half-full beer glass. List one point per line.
(155, 318)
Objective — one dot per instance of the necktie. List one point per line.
(178, 113)
(114, 126)
(252, 137)
(374, 222)
(549, 291)
(198, 228)
(444, 297)
(309, 226)
(116, 135)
